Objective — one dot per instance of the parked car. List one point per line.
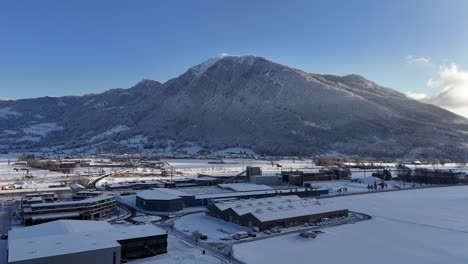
(276, 230)
(240, 235)
(308, 235)
(268, 232)
(226, 238)
(203, 237)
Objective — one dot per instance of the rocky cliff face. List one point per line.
(247, 102)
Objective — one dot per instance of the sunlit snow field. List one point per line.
(417, 226)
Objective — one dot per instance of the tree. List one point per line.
(171, 226)
(196, 236)
(229, 252)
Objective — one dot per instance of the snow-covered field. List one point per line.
(358, 185)
(414, 226)
(8, 172)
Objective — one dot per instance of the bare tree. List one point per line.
(171, 226)
(196, 236)
(229, 252)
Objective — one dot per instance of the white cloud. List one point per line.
(423, 61)
(452, 86)
(417, 96)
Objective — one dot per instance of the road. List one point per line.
(364, 218)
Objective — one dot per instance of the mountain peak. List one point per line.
(202, 67)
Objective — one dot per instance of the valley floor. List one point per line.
(414, 226)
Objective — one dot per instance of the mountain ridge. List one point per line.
(240, 101)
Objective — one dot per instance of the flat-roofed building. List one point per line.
(85, 195)
(91, 208)
(91, 242)
(163, 200)
(272, 212)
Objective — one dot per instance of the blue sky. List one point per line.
(53, 48)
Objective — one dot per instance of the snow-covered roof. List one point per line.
(57, 228)
(76, 186)
(85, 201)
(276, 208)
(219, 174)
(162, 194)
(244, 187)
(206, 178)
(35, 199)
(70, 236)
(240, 194)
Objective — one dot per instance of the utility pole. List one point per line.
(172, 173)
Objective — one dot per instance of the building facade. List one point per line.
(86, 209)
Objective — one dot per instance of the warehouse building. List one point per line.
(279, 211)
(172, 200)
(91, 242)
(163, 200)
(92, 208)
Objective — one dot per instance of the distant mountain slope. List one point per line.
(241, 101)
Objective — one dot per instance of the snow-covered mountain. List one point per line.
(240, 101)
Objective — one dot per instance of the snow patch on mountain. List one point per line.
(27, 138)
(41, 129)
(137, 141)
(312, 124)
(6, 112)
(192, 150)
(109, 132)
(9, 132)
(201, 68)
(100, 105)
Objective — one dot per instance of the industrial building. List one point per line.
(40, 211)
(133, 185)
(81, 195)
(171, 200)
(90, 242)
(267, 213)
(163, 200)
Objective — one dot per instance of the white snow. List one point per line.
(418, 226)
(27, 138)
(137, 141)
(213, 227)
(116, 129)
(161, 194)
(70, 236)
(312, 124)
(146, 218)
(234, 151)
(9, 132)
(179, 252)
(201, 68)
(41, 129)
(244, 187)
(194, 149)
(7, 112)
